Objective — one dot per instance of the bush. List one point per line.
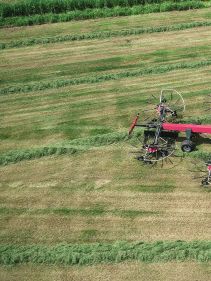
(31, 7)
(98, 13)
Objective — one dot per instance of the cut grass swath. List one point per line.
(101, 35)
(29, 154)
(38, 86)
(88, 254)
(74, 146)
(71, 147)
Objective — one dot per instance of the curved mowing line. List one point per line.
(102, 35)
(88, 254)
(42, 85)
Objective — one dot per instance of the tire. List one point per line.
(187, 146)
(205, 182)
(141, 158)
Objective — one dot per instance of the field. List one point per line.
(70, 193)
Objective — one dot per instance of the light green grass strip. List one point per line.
(101, 13)
(15, 156)
(79, 145)
(102, 35)
(88, 254)
(71, 147)
(203, 155)
(49, 84)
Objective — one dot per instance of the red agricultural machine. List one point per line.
(203, 171)
(207, 179)
(160, 134)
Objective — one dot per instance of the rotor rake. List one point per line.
(202, 170)
(156, 146)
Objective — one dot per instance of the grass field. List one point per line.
(124, 271)
(67, 106)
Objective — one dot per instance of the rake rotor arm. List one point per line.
(134, 123)
(150, 126)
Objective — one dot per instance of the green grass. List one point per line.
(55, 84)
(105, 24)
(101, 35)
(88, 254)
(30, 154)
(133, 213)
(101, 13)
(83, 144)
(153, 188)
(77, 99)
(70, 148)
(29, 7)
(95, 211)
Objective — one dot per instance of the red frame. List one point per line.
(133, 124)
(206, 129)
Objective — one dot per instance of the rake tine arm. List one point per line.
(133, 124)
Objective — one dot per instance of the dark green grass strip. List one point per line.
(43, 85)
(88, 254)
(30, 7)
(102, 35)
(96, 211)
(101, 13)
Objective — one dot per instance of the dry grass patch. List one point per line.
(73, 182)
(187, 271)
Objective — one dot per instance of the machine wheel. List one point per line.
(187, 146)
(205, 182)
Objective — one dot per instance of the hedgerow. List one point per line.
(101, 35)
(88, 254)
(42, 85)
(31, 7)
(100, 13)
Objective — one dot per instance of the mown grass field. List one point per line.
(66, 176)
